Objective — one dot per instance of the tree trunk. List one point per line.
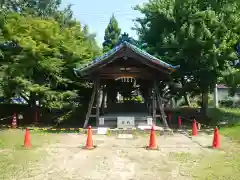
(172, 102)
(185, 95)
(204, 104)
(33, 105)
(186, 98)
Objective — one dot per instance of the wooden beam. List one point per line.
(101, 64)
(98, 102)
(117, 69)
(148, 101)
(130, 53)
(141, 75)
(112, 77)
(103, 99)
(154, 105)
(133, 70)
(90, 106)
(161, 108)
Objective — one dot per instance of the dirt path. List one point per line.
(120, 159)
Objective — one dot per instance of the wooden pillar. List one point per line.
(154, 105)
(148, 102)
(172, 102)
(98, 104)
(104, 93)
(90, 105)
(160, 104)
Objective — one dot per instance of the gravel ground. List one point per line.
(121, 159)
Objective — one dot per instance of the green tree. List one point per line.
(231, 79)
(197, 35)
(125, 37)
(44, 8)
(39, 59)
(91, 39)
(41, 8)
(112, 33)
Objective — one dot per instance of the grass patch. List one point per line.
(214, 164)
(210, 165)
(232, 132)
(232, 118)
(229, 115)
(183, 157)
(219, 166)
(14, 138)
(14, 158)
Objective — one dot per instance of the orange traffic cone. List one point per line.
(216, 139)
(27, 141)
(194, 128)
(152, 142)
(14, 121)
(179, 122)
(89, 143)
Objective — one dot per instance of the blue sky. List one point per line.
(96, 13)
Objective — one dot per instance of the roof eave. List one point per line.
(151, 57)
(80, 72)
(93, 65)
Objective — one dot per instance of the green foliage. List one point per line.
(229, 115)
(36, 8)
(112, 33)
(125, 37)
(232, 132)
(197, 35)
(137, 99)
(39, 52)
(90, 38)
(229, 103)
(231, 79)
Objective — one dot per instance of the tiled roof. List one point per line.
(101, 58)
(132, 47)
(149, 56)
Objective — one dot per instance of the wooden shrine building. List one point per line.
(122, 73)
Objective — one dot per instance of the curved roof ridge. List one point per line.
(148, 55)
(116, 49)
